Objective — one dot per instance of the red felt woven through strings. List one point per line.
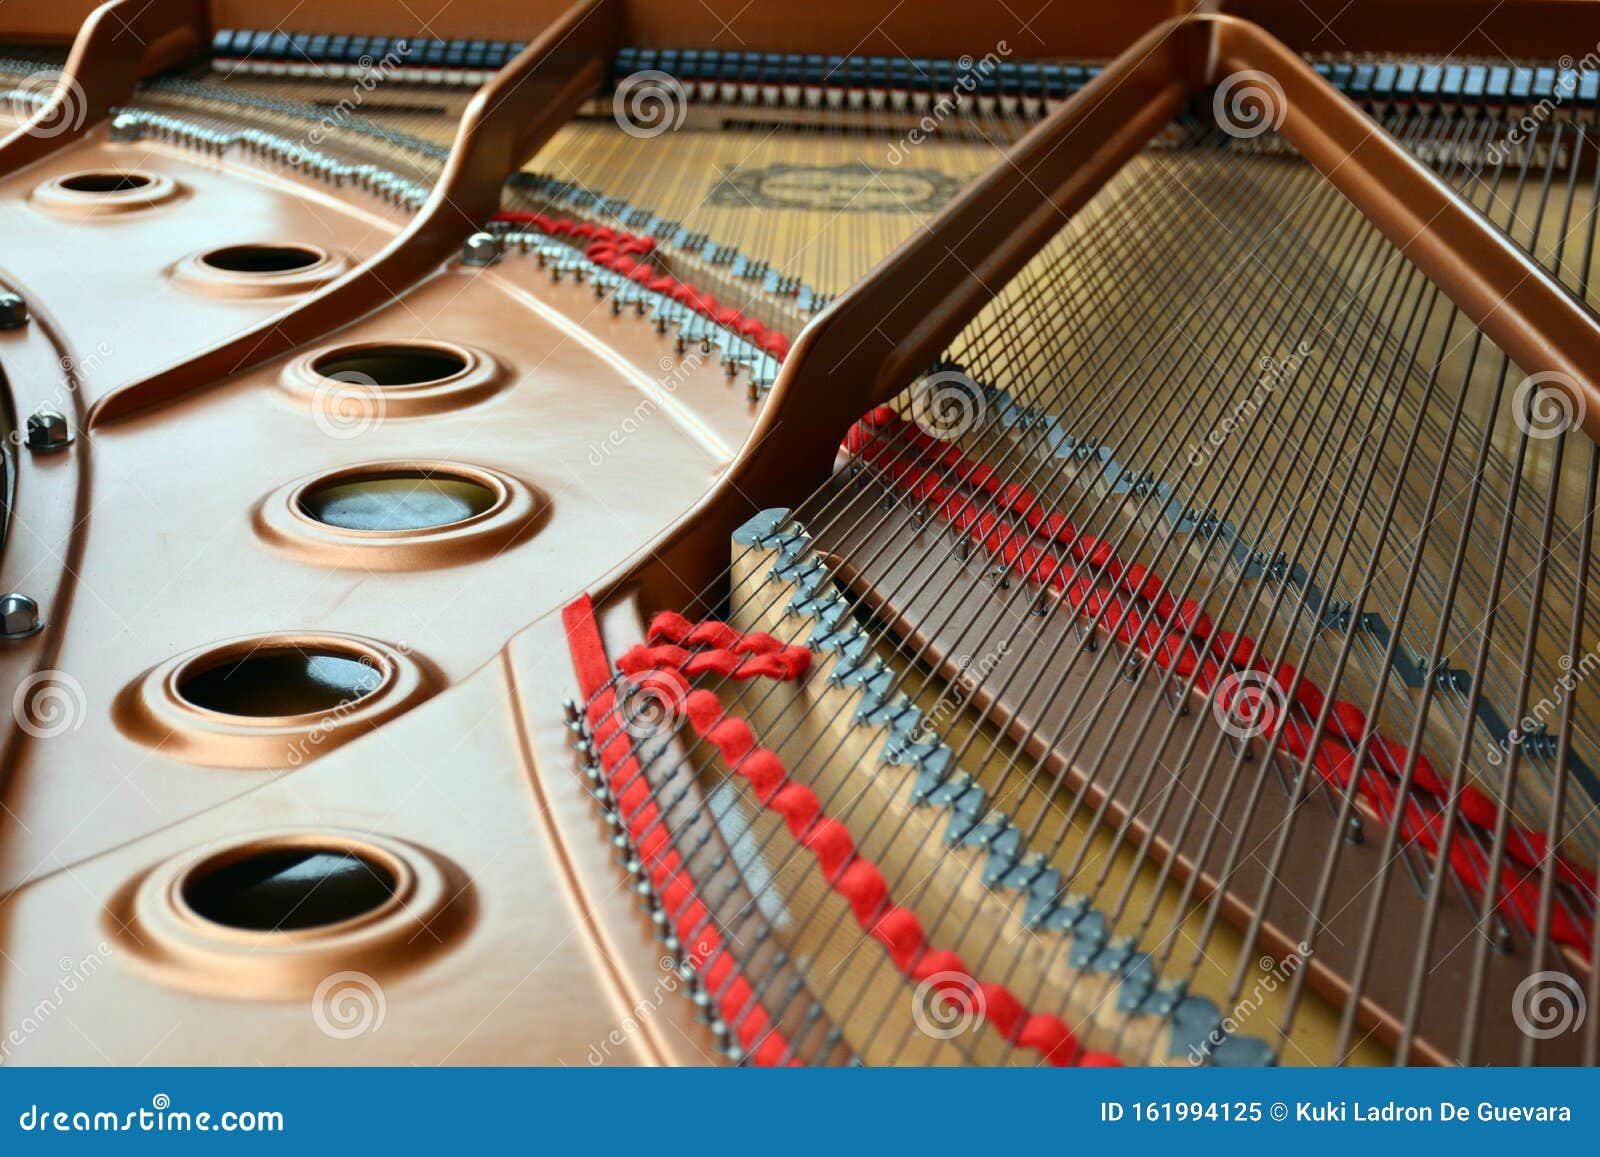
(629, 255)
(1027, 538)
(851, 875)
(702, 944)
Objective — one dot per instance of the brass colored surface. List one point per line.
(302, 566)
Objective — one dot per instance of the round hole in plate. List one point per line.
(262, 259)
(397, 500)
(108, 181)
(270, 682)
(282, 889)
(391, 365)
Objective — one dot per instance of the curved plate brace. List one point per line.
(875, 338)
(121, 42)
(509, 119)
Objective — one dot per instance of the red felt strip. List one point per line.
(702, 944)
(856, 879)
(912, 474)
(627, 254)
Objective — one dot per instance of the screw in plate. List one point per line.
(126, 127)
(480, 249)
(19, 616)
(48, 430)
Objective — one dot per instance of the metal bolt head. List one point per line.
(126, 127)
(13, 311)
(19, 616)
(48, 430)
(481, 249)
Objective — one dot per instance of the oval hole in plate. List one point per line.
(277, 681)
(397, 501)
(284, 889)
(390, 365)
(108, 181)
(263, 259)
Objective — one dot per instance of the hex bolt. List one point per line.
(48, 430)
(13, 311)
(19, 616)
(126, 127)
(480, 249)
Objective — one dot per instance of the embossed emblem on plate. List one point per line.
(846, 188)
